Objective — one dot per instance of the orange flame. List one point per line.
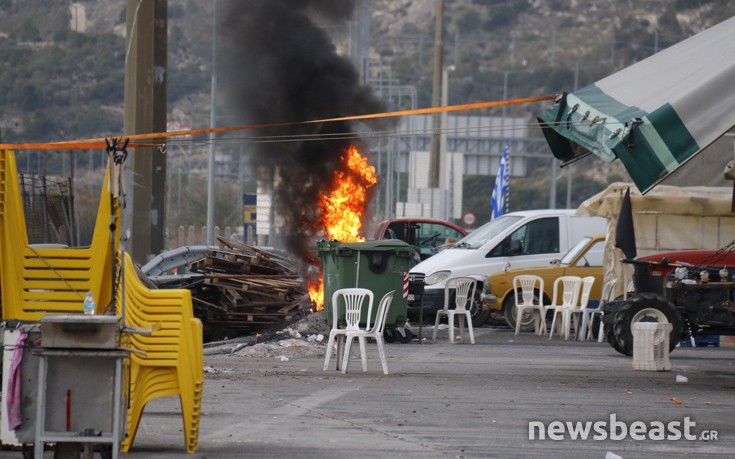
(341, 210)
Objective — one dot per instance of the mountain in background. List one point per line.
(62, 63)
(62, 74)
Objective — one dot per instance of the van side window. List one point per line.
(511, 245)
(536, 237)
(542, 236)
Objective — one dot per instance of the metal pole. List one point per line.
(505, 97)
(443, 153)
(212, 122)
(435, 100)
(569, 187)
(552, 191)
(569, 170)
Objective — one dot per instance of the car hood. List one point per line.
(444, 260)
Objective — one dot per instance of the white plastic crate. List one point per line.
(651, 346)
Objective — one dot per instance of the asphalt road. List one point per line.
(452, 401)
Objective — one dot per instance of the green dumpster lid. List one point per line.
(385, 244)
(378, 245)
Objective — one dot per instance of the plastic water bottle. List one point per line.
(89, 304)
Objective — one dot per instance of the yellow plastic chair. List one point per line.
(47, 280)
(171, 361)
(38, 280)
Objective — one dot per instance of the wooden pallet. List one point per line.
(246, 289)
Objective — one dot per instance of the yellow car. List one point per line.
(584, 259)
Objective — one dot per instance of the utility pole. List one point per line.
(145, 112)
(360, 38)
(211, 163)
(443, 153)
(434, 159)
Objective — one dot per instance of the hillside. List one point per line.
(62, 68)
(59, 83)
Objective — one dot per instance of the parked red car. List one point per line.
(428, 235)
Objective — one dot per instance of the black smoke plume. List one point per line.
(275, 64)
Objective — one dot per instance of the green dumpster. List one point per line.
(375, 265)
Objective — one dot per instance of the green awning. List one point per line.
(654, 115)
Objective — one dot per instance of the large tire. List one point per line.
(610, 337)
(644, 308)
(510, 312)
(478, 313)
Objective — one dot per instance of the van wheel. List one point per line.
(478, 313)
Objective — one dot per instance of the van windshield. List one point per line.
(481, 235)
(572, 254)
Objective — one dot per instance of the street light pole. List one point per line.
(435, 120)
(445, 185)
(212, 122)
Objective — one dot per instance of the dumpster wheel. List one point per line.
(400, 334)
(404, 335)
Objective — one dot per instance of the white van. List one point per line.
(515, 240)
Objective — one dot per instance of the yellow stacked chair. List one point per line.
(36, 281)
(171, 361)
(43, 280)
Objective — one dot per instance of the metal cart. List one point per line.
(80, 373)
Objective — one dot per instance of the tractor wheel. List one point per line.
(610, 337)
(511, 314)
(644, 308)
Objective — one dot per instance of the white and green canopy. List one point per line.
(654, 115)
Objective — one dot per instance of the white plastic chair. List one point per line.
(354, 299)
(565, 296)
(577, 312)
(528, 292)
(608, 294)
(375, 332)
(464, 292)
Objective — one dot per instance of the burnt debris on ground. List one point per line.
(305, 337)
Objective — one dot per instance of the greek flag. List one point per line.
(499, 200)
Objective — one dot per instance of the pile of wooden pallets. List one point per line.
(246, 289)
